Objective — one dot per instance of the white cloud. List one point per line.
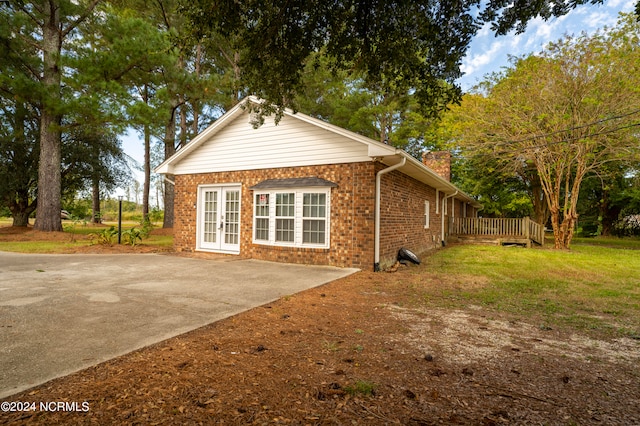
(625, 5)
(488, 54)
(477, 61)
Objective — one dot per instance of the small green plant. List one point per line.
(361, 387)
(147, 227)
(71, 227)
(331, 346)
(104, 237)
(132, 236)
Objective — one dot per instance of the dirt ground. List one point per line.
(366, 349)
(11, 233)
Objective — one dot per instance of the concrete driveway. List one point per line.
(63, 313)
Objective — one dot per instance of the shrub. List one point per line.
(104, 237)
(132, 236)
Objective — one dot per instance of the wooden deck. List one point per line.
(497, 230)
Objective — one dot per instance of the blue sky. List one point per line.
(489, 53)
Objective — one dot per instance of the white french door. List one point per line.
(219, 218)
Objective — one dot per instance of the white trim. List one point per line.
(222, 247)
(437, 201)
(376, 231)
(375, 149)
(427, 214)
(298, 217)
(444, 213)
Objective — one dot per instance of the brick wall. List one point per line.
(352, 213)
(439, 162)
(402, 218)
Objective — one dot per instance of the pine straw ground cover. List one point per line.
(373, 348)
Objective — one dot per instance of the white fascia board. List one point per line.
(168, 165)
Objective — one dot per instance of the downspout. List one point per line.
(376, 261)
(166, 179)
(444, 203)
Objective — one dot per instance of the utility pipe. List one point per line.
(376, 261)
(444, 204)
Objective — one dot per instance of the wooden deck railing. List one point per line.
(522, 228)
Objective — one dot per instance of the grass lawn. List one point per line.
(591, 287)
(76, 237)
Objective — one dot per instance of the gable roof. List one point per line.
(375, 150)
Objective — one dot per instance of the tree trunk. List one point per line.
(541, 213)
(195, 103)
(183, 122)
(609, 214)
(49, 175)
(21, 209)
(147, 173)
(95, 201)
(20, 218)
(169, 150)
(147, 162)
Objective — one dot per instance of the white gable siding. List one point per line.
(291, 143)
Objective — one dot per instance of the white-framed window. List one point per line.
(296, 217)
(314, 218)
(437, 201)
(285, 217)
(427, 214)
(261, 215)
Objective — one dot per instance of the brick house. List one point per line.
(305, 191)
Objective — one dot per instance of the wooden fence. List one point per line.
(497, 228)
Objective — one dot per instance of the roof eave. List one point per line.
(418, 170)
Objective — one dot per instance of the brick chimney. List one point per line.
(439, 162)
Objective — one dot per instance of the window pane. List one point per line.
(285, 205)
(314, 205)
(313, 231)
(285, 230)
(262, 229)
(262, 204)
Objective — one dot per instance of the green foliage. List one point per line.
(361, 387)
(147, 227)
(79, 207)
(155, 215)
(132, 236)
(346, 99)
(71, 227)
(555, 118)
(105, 237)
(396, 46)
